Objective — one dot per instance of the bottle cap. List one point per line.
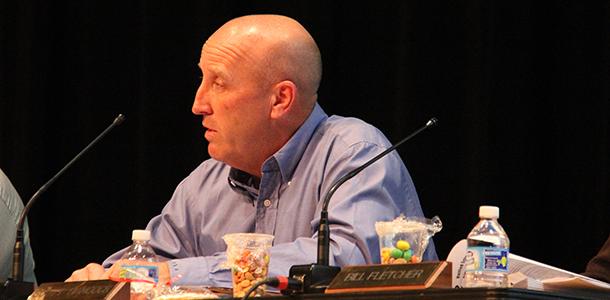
(489, 212)
(140, 235)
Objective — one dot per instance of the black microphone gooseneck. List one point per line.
(316, 277)
(323, 231)
(19, 250)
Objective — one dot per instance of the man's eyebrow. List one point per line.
(219, 72)
(212, 69)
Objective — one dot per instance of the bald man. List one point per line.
(274, 155)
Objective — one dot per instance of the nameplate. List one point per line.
(392, 277)
(86, 290)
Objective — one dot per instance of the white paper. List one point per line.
(527, 273)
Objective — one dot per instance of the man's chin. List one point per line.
(216, 154)
(213, 153)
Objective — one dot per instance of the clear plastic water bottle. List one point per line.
(139, 271)
(487, 252)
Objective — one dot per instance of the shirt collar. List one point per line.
(288, 157)
(285, 160)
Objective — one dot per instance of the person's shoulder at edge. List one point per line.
(9, 196)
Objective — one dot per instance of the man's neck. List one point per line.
(282, 133)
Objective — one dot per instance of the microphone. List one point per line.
(316, 277)
(19, 251)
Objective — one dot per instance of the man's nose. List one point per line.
(200, 105)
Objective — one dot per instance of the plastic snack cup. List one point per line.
(248, 258)
(404, 240)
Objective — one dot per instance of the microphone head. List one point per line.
(119, 119)
(432, 122)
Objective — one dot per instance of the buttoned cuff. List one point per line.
(201, 271)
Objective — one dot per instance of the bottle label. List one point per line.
(486, 259)
(139, 273)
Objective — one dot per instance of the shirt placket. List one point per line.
(266, 204)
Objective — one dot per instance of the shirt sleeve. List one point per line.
(202, 270)
(172, 234)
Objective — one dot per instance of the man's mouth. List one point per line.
(209, 133)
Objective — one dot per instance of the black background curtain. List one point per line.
(520, 89)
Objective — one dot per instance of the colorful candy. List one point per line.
(403, 245)
(407, 254)
(401, 253)
(396, 253)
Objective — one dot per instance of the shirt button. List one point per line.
(267, 203)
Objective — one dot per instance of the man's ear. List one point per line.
(283, 98)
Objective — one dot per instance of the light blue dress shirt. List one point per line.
(10, 210)
(215, 200)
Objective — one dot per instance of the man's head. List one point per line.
(261, 74)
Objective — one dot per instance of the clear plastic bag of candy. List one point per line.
(404, 240)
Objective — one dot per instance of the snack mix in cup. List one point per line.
(248, 258)
(404, 240)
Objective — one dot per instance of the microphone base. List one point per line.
(315, 278)
(14, 290)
